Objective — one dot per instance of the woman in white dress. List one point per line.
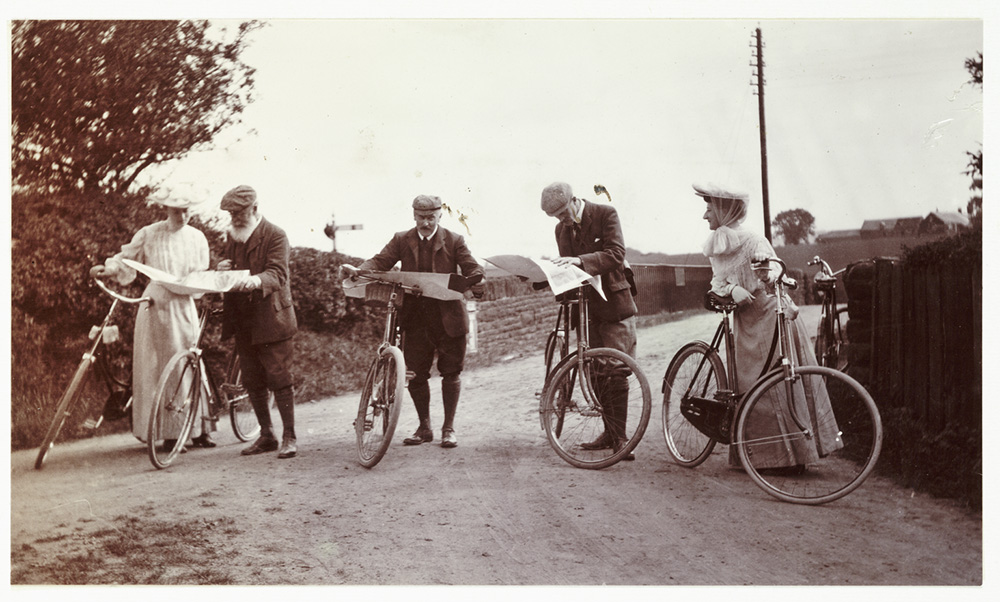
(731, 250)
(170, 323)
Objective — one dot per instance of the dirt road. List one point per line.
(501, 508)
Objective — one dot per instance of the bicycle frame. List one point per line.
(91, 357)
(578, 298)
(785, 353)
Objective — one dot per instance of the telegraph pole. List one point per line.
(758, 56)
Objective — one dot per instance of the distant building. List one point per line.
(899, 226)
(940, 222)
(838, 235)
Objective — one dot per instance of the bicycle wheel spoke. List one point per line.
(378, 411)
(694, 371)
(828, 458)
(175, 409)
(593, 417)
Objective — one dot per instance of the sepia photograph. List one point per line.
(608, 294)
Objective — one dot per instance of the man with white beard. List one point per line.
(259, 313)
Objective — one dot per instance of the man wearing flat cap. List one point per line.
(589, 236)
(431, 327)
(259, 314)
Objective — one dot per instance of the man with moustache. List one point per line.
(430, 326)
(259, 314)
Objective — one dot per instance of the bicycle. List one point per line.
(382, 393)
(184, 383)
(830, 341)
(591, 393)
(777, 416)
(117, 381)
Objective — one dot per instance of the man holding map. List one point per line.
(430, 326)
(258, 312)
(589, 237)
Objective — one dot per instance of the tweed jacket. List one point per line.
(600, 245)
(450, 256)
(270, 316)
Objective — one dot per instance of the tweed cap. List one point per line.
(239, 198)
(426, 203)
(555, 197)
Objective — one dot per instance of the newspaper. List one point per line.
(195, 283)
(561, 278)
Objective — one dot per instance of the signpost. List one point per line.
(332, 227)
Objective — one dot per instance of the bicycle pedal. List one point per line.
(92, 424)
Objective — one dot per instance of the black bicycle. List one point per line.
(590, 393)
(780, 415)
(831, 344)
(117, 380)
(187, 390)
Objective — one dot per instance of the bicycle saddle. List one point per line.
(718, 303)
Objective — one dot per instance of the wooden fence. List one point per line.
(925, 339)
(664, 287)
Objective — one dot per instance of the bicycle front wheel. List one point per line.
(811, 440)
(241, 414)
(175, 408)
(62, 412)
(595, 413)
(378, 411)
(694, 371)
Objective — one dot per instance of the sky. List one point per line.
(868, 116)
(865, 119)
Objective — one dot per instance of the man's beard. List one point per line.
(242, 233)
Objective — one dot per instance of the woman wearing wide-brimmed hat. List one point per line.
(732, 251)
(170, 323)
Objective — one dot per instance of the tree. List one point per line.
(94, 103)
(794, 226)
(975, 164)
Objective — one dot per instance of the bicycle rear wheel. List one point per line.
(241, 414)
(597, 428)
(697, 371)
(830, 341)
(175, 407)
(62, 412)
(810, 441)
(378, 411)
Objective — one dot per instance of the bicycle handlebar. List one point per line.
(786, 281)
(119, 296)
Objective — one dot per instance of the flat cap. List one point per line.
(238, 198)
(707, 191)
(426, 203)
(555, 197)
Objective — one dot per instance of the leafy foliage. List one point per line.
(94, 103)
(975, 166)
(947, 464)
(966, 247)
(795, 226)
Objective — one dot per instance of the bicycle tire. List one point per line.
(839, 336)
(62, 412)
(177, 400)
(696, 369)
(609, 373)
(241, 414)
(378, 412)
(765, 441)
